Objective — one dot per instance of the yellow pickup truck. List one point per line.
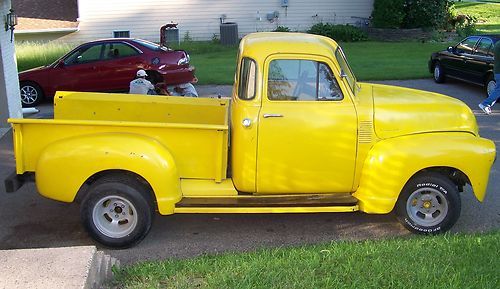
(299, 135)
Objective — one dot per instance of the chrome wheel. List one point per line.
(427, 207)
(29, 94)
(114, 216)
(490, 86)
(437, 73)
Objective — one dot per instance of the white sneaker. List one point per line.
(485, 109)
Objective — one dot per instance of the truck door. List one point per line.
(307, 130)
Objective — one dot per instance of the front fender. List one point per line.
(65, 165)
(392, 162)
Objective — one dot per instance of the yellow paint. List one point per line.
(203, 188)
(267, 210)
(369, 144)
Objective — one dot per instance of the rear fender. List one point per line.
(392, 162)
(65, 165)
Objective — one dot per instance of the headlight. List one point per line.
(183, 61)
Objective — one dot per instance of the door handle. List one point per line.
(266, 115)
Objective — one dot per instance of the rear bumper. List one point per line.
(178, 76)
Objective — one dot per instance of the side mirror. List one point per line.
(451, 49)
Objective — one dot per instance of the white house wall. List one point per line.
(98, 19)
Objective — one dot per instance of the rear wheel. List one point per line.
(117, 211)
(429, 204)
(490, 85)
(31, 94)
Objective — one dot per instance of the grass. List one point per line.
(487, 13)
(446, 261)
(31, 55)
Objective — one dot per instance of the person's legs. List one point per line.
(494, 95)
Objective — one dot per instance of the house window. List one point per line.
(121, 34)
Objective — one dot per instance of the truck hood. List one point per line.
(402, 111)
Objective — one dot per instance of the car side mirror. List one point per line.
(451, 49)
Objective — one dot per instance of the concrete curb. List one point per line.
(69, 267)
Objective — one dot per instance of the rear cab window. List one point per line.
(247, 81)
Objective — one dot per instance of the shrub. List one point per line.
(346, 33)
(388, 13)
(282, 29)
(465, 25)
(429, 14)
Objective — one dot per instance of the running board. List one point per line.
(269, 204)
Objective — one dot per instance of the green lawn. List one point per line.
(487, 12)
(446, 261)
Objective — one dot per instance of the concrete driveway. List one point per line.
(28, 220)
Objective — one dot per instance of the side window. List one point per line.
(301, 80)
(116, 50)
(467, 45)
(484, 46)
(85, 55)
(248, 75)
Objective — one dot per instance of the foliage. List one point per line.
(487, 14)
(345, 33)
(215, 38)
(388, 13)
(430, 14)
(187, 37)
(466, 25)
(445, 261)
(282, 29)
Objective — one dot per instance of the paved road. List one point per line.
(28, 220)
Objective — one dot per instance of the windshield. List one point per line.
(151, 45)
(346, 70)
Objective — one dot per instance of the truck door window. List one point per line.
(301, 80)
(248, 73)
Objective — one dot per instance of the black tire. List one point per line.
(489, 84)
(439, 76)
(117, 211)
(429, 204)
(31, 93)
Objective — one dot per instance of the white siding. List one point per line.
(10, 100)
(143, 18)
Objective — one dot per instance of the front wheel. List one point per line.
(438, 73)
(31, 94)
(429, 204)
(117, 211)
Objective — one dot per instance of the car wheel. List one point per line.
(31, 94)
(429, 204)
(490, 85)
(438, 73)
(117, 211)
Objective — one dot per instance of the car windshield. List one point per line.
(346, 70)
(151, 45)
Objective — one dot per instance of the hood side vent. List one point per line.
(365, 131)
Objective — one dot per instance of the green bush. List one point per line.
(282, 29)
(429, 14)
(465, 25)
(388, 13)
(345, 33)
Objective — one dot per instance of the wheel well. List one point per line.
(455, 175)
(82, 192)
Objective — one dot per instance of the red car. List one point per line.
(105, 65)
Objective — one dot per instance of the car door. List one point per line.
(457, 65)
(80, 70)
(307, 130)
(482, 60)
(120, 64)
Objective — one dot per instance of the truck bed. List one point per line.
(194, 130)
